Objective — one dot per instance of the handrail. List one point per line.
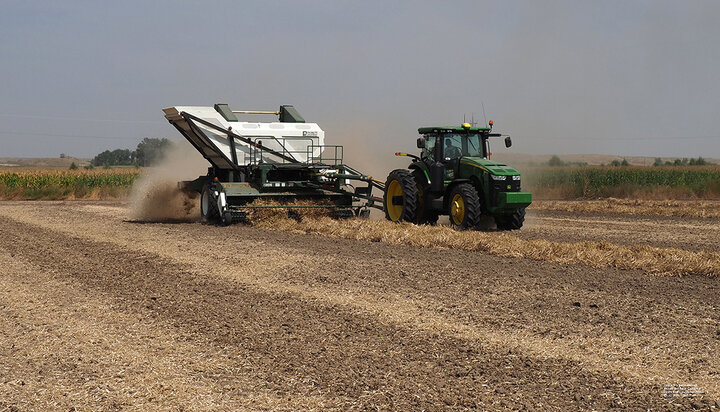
(254, 112)
(337, 159)
(257, 148)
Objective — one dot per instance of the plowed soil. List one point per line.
(98, 311)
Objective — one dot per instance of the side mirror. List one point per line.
(420, 143)
(508, 141)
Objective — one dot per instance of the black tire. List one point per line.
(511, 222)
(226, 219)
(208, 205)
(424, 215)
(400, 198)
(362, 213)
(464, 206)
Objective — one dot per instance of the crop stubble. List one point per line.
(339, 323)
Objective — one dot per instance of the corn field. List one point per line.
(64, 184)
(641, 182)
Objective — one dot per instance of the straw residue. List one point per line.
(267, 211)
(658, 261)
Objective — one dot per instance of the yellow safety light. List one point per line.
(466, 125)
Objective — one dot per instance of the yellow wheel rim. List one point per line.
(457, 209)
(394, 211)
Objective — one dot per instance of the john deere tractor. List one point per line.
(454, 176)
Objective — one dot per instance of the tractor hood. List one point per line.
(490, 166)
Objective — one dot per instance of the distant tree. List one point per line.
(89, 166)
(615, 163)
(658, 162)
(624, 162)
(118, 157)
(63, 155)
(150, 151)
(677, 162)
(73, 166)
(555, 161)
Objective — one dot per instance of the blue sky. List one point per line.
(611, 77)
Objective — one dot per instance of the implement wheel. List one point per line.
(401, 196)
(208, 205)
(511, 222)
(464, 206)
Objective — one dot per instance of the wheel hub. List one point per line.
(457, 209)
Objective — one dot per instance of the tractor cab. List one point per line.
(447, 145)
(452, 143)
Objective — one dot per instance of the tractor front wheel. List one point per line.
(511, 222)
(401, 197)
(464, 206)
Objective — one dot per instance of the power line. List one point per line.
(29, 116)
(624, 138)
(67, 135)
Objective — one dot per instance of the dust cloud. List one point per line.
(155, 196)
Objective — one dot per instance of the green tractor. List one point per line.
(454, 176)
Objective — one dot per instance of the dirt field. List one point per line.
(101, 312)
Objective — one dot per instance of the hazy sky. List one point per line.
(612, 77)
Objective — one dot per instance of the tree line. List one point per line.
(147, 153)
(556, 161)
(684, 162)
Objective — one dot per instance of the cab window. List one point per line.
(429, 150)
(475, 146)
(452, 146)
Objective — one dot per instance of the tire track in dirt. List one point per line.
(67, 347)
(434, 299)
(298, 347)
(374, 306)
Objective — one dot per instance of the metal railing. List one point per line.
(257, 152)
(327, 153)
(331, 155)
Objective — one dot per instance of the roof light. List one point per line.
(490, 122)
(466, 125)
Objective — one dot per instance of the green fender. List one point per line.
(421, 166)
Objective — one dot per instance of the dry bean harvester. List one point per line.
(285, 162)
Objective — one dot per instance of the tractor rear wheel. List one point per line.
(401, 197)
(208, 205)
(511, 222)
(424, 215)
(464, 206)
